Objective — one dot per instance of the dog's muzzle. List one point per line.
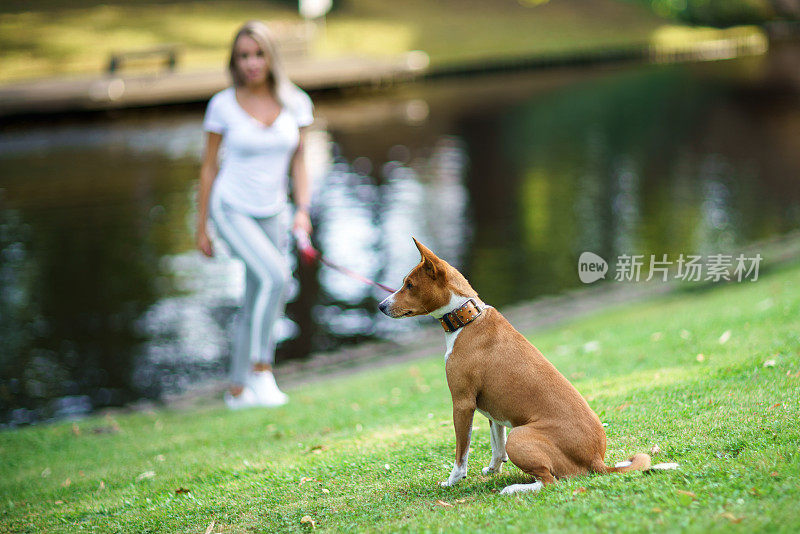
(384, 306)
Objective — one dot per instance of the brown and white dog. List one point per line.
(493, 369)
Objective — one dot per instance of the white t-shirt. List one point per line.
(254, 172)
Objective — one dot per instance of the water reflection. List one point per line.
(187, 331)
(365, 224)
(650, 161)
(510, 178)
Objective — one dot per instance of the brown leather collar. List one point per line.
(459, 317)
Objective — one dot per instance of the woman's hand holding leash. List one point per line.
(302, 233)
(308, 254)
(302, 221)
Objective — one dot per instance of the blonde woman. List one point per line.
(257, 127)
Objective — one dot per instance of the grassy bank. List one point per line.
(712, 377)
(54, 37)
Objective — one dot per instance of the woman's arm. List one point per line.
(208, 173)
(301, 186)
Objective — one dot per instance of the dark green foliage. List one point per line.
(720, 13)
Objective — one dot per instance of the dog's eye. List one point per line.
(409, 285)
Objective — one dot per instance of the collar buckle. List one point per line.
(461, 316)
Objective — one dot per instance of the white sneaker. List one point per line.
(266, 390)
(246, 399)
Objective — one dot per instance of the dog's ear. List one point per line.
(429, 260)
(423, 250)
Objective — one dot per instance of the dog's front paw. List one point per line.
(495, 466)
(456, 475)
(451, 482)
(491, 470)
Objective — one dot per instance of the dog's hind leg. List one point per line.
(497, 434)
(534, 455)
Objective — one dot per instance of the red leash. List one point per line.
(309, 254)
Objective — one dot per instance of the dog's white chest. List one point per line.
(489, 417)
(450, 340)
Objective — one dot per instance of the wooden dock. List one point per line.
(113, 91)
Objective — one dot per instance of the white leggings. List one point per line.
(262, 243)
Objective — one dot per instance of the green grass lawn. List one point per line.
(365, 453)
(55, 37)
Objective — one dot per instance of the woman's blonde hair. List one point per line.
(277, 81)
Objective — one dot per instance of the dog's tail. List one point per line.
(637, 462)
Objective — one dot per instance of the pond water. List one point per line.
(510, 177)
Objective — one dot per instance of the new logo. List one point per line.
(591, 267)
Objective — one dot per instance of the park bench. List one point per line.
(167, 53)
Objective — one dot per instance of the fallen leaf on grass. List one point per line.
(325, 490)
(102, 486)
(75, 429)
(688, 493)
(461, 501)
(774, 405)
(210, 528)
(686, 497)
(622, 406)
(307, 519)
(46, 472)
(795, 375)
(59, 502)
(731, 517)
(655, 449)
(773, 474)
(579, 490)
(657, 510)
(443, 504)
(317, 449)
(66, 483)
(306, 479)
(181, 491)
(701, 358)
(770, 363)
